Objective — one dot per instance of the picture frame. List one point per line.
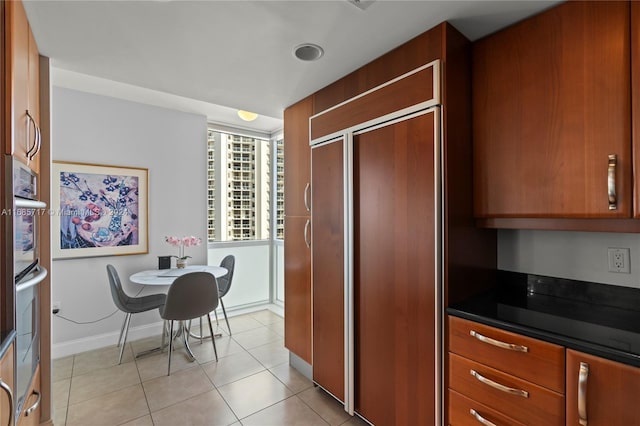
(100, 210)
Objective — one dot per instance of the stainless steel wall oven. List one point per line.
(28, 274)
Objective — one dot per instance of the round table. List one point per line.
(167, 276)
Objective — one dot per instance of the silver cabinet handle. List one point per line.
(481, 419)
(611, 182)
(498, 343)
(306, 233)
(31, 148)
(38, 142)
(35, 404)
(306, 196)
(7, 390)
(583, 378)
(495, 385)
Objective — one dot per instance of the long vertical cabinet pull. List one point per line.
(31, 149)
(307, 240)
(349, 299)
(583, 378)
(611, 182)
(306, 196)
(5, 387)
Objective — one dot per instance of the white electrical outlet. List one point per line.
(619, 260)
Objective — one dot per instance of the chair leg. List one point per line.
(213, 339)
(201, 330)
(164, 333)
(216, 314)
(170, 347)
(122, 330)
(127, 320)
(225, 316)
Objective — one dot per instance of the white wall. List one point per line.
(172, 145)
(572, 255)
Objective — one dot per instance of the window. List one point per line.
(239, 187)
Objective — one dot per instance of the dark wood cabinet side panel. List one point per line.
(297, 288)
(635, 104)
(469, 252)
(297, 156)
(328, 267)
(394, 270)
(551, 101)
(421, 50)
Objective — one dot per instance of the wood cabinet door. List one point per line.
(34, 99)
(7, 376)
(551, 102)
(297, 286)
(395, 266)
(327, 239)
(31, 409)
(609, 391)
(17, 80)
(297, 158)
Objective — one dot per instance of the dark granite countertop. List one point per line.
(599, 319)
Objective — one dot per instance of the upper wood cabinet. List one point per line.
(601, 392)
(22, 87)
(297, 156)
(551, 104)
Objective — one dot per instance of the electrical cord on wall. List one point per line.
(55, 314)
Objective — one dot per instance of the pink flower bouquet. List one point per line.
(183, 242)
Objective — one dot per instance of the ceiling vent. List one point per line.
(361, 4)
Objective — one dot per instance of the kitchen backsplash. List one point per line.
(572, 255)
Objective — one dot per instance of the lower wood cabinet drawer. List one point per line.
(530, 359)
(466, 412)
(522, 400)
(31, 411)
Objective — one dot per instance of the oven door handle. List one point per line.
(37, 279)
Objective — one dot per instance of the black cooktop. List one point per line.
(596, 318)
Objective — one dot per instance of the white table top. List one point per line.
(167, 276)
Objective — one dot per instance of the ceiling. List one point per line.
(239, 54)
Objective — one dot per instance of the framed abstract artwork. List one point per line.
(100, 210)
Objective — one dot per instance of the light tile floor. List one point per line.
(251, 384)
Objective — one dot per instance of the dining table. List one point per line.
(166, 277)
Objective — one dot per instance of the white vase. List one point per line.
(181, 263)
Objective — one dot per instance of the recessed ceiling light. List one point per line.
(247, 116)
(308, 52)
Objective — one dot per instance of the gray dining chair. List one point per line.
(224, 284)
(191, 296)
(130, 305)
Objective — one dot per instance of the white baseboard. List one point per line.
(72, 347)
(76, 346)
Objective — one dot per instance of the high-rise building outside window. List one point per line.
(239, 187)
(279, 188)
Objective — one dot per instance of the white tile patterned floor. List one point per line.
(251, 384)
